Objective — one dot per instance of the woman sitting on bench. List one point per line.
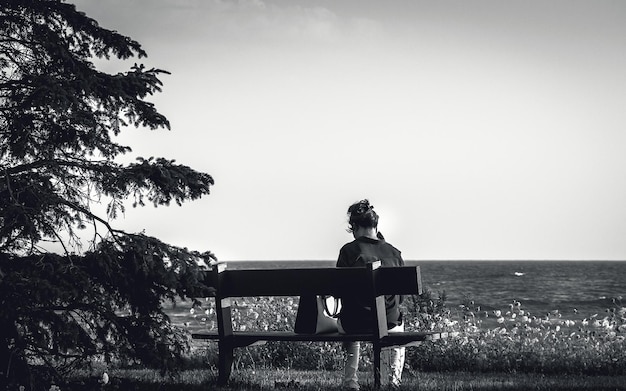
(368, 246)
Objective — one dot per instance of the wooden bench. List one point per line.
(372, 281)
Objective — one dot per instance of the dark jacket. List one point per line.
(356, 312)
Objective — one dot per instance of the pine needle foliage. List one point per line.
(59, 116)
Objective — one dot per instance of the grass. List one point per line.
(281, 379)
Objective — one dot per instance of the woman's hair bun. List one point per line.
(362, 214)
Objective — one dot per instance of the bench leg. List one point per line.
(225, 361)
(376, 349)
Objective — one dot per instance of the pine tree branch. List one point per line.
(85, 164)
(92, 216)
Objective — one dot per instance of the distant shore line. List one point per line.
(432, 260)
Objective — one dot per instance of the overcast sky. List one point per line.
(477, 129)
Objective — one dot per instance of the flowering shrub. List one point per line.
(508, 340)
(515, 340)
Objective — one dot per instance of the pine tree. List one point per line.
(58, 118)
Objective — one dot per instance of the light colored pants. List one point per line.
(391, 362)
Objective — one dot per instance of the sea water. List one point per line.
(571, 289)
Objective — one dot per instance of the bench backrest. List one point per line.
(403, 280)
(372, 281)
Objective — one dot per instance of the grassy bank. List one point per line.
(192, 380)
(507, 349)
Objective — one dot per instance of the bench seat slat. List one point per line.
(244, 338)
